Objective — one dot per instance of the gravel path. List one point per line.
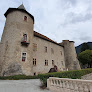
(21, 86)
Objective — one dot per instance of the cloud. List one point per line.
(85, 38)
(57, 19)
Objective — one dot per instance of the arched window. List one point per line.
(24, 37)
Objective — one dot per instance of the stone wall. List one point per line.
(11, 49)
(41, 56)
(87, 77)
(71, 60)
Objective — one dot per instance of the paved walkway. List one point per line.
(21, 86)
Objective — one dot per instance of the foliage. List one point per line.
(85, 57)
(75, 74)
(84, 47)
(17, 77)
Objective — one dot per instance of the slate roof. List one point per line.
(21, 7)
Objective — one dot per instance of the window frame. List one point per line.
(46, 62)
(34, 61)
(24, 37)
(23, 56)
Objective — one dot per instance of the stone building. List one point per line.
(25, 51)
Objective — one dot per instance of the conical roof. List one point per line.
(21, 7)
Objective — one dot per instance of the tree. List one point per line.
(85, 57)
(84, 47)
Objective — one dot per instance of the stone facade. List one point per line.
(12, 47)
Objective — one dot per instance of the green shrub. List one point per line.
(17, 77)
(85, 57)
(75, 74)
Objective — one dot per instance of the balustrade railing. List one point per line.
(69, 85)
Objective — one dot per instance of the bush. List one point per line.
(75, 74)
(18, 77)
(85, 57)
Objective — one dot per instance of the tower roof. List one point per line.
(21, 7)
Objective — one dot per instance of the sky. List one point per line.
(57, 19)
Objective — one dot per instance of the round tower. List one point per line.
(17, 40)
(71, 60)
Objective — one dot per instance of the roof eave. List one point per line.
(49, 40)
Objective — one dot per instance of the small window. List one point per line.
(52, 51)
(25, 18)
(34, 61)
(34, 73)
(62, 63)
(24, 37)
(34, 47)
(61, 52)
(45, 49)
(46, 62)
(23, 57)
(52, 62)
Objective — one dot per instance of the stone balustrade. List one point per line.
(69, 85)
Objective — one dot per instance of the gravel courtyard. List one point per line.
(21, 86)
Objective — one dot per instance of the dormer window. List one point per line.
(25, 18)
(24, 37)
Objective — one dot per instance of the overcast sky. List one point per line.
(57, 19)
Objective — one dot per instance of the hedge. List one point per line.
(17, 77)
(75, 74)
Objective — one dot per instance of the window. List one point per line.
(46, 62)
(34, 47)
(62, 63)
(52, 62)
(25, 18)
(34, 61)
(23, 57)
(45, 49)
(52, 51)
(34, 73)
(24, 37)
(61, 52)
